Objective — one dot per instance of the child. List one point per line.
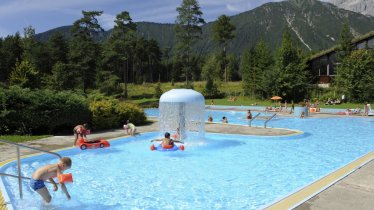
(80, 130)
(210, 119)
(167, 141)
(130, 128)
(249, 115)
(176, 135)
(48, 172)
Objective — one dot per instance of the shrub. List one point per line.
(25, 111)
(110, 113)
(132, 112)
(211, 90)
(103, 114)
(158, 91)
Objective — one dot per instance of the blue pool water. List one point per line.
(224, 172)
(234, 117)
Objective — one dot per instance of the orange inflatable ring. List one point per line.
(62, 178)
(313, 109)
(167, 146)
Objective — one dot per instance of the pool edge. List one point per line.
(5, 202)
(300, 196)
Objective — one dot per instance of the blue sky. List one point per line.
(43, 15)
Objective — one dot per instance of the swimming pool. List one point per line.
(225, 172)
(234, 117)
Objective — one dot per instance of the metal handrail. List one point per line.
(250, 122)
(269, 120)
(19, 162)
(22, 177)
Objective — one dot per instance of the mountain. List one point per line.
(314, 25)
(365, 7)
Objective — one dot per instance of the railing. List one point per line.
(250, 122)
(269, 120)
(19, 162)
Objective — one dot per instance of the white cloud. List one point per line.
(156, 13)
(47, 14)
(233, 8)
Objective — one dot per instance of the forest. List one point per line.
(91, 71)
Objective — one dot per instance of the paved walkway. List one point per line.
(356, 191)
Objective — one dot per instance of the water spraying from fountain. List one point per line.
(183, 109)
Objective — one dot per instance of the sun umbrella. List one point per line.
(276, 98)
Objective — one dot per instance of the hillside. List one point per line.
(315, 25)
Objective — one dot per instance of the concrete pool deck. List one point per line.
(354, 190)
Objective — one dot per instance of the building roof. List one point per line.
(334, 48)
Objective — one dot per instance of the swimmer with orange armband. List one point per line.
(47, 172)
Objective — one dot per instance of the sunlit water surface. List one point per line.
(222, 172)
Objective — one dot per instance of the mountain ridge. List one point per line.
(314, 25)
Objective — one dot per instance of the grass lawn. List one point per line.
(147, 90)
(143, 95)
(18, 139)
(245, 101)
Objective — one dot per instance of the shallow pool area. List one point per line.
(223, 172)
(234, 117)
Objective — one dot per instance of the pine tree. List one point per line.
(223, 32)
(188, 29)
(293, 75)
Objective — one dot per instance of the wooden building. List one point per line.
(323, 64)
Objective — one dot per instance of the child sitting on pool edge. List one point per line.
(48, 172)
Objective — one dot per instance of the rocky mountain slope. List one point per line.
(365, 7)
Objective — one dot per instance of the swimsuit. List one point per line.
(36, 184)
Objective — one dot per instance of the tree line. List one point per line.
(84, 63)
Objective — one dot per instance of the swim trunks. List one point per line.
(36, 184)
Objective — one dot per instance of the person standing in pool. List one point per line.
(176, 135)
(48, 172)
(249, 114)
(210, 118)
(292, 107)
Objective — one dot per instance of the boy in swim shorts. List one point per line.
(48, 172)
